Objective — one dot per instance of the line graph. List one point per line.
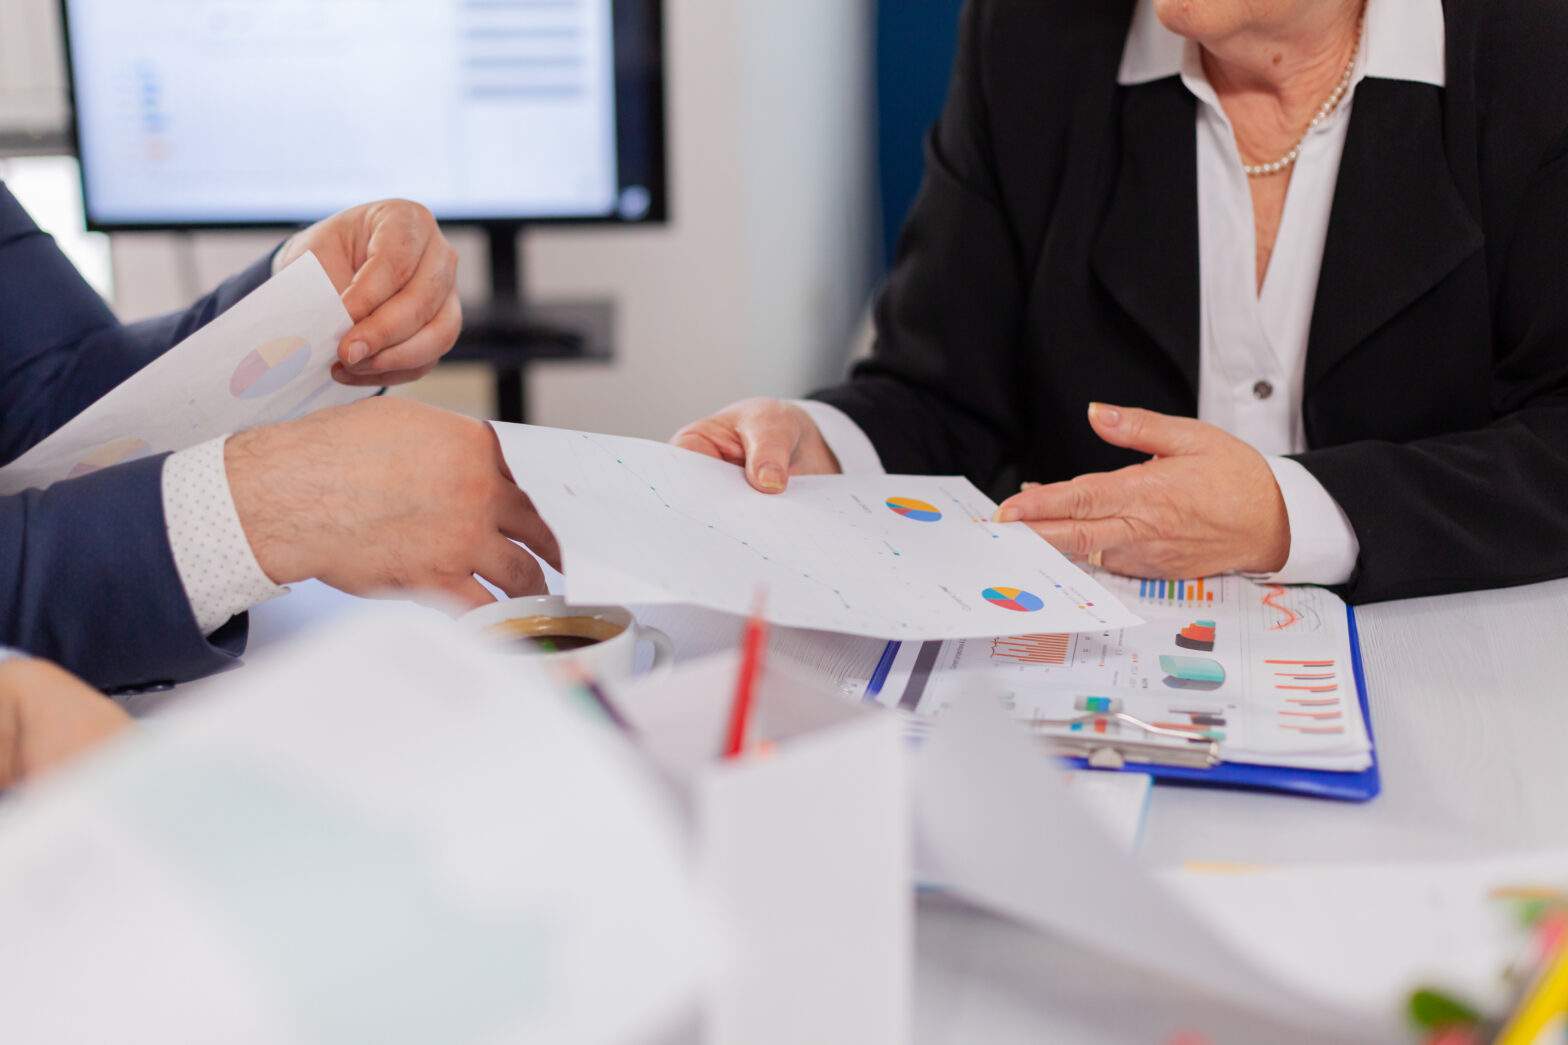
(653, 488)
(1272, 599)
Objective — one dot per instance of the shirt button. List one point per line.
(1262, 390)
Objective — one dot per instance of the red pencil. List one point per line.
(754, 644)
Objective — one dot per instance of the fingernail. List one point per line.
(1108, 416)
(357, 351)
(770, 477)
(1006, 515)
(1027, 485)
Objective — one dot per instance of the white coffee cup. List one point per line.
(613, 657)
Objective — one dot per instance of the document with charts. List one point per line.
(887, 556)
(267, 359)
(1263, 669)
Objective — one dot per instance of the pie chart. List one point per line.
(1015, 599)
(910, 508)
(117, 451)
(270, 367)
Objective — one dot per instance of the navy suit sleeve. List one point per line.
(60, 346)
(86, 575)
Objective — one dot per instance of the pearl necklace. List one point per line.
(1285, 162)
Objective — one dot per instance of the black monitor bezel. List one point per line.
(645, 53)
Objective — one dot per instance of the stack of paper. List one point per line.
(889, 556)
(1264, 670)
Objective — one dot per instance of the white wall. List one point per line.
(759, 281)
(32, 75)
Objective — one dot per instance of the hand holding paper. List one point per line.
(387, 495)
(267, 359)
(902, 557)
(398, 277)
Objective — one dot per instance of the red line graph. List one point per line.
(1271, 601)
(1304, 663)
(1311, 689)
(1313, 703)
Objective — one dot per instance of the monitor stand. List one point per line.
(502, 331)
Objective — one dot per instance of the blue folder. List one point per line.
(1357, 786)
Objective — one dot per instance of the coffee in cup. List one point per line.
(548, 634)
(600, 640)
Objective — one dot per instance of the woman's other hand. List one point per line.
(772, 439)
(1207, 503)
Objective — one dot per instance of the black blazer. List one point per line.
(1051, 259)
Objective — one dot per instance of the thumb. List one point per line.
(769, 440)
(1159, 434)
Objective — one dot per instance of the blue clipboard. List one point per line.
(1358, 786)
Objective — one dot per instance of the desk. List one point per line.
(1470, 711)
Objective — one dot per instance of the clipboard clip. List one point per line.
(1084, 738)
(1116, 753)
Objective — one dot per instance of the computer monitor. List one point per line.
(240, 113)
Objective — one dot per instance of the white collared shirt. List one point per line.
(1252, 345)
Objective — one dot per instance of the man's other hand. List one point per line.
(384, 496)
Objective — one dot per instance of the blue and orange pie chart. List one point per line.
(910, 508)
(1015, 599)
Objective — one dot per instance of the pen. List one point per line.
(754, 643)
(1547, 997)
(587, 684)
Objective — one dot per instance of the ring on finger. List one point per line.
(1097, 558)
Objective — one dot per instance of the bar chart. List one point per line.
(1198, 592)
(1032, 649)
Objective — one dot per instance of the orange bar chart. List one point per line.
(1032, 649)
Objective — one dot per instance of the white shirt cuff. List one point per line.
(213, 557)
(1323, 546)
(849, 443)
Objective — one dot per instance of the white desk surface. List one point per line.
(1469, 698)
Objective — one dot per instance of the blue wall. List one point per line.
(915, 41)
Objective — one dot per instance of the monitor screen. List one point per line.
(195, 113)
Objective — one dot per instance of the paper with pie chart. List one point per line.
(885, 556)
(267, 359)
(1264, 670)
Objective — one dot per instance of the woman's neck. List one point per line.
(1290, 67)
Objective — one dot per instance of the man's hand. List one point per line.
(771, 439)
(48, 716)
(398, 278)
(385, 496)
(1206, 504)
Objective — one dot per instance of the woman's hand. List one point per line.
(772, 439)
(49, 716)
(398, 277)
(1206, 504)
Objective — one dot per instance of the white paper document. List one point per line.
(888, 556)
(383, 833)
(1264, 670)
(1366, 934)
(996, 827)
(267, 359)
(802, 852)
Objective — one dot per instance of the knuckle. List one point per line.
(1080, 497)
